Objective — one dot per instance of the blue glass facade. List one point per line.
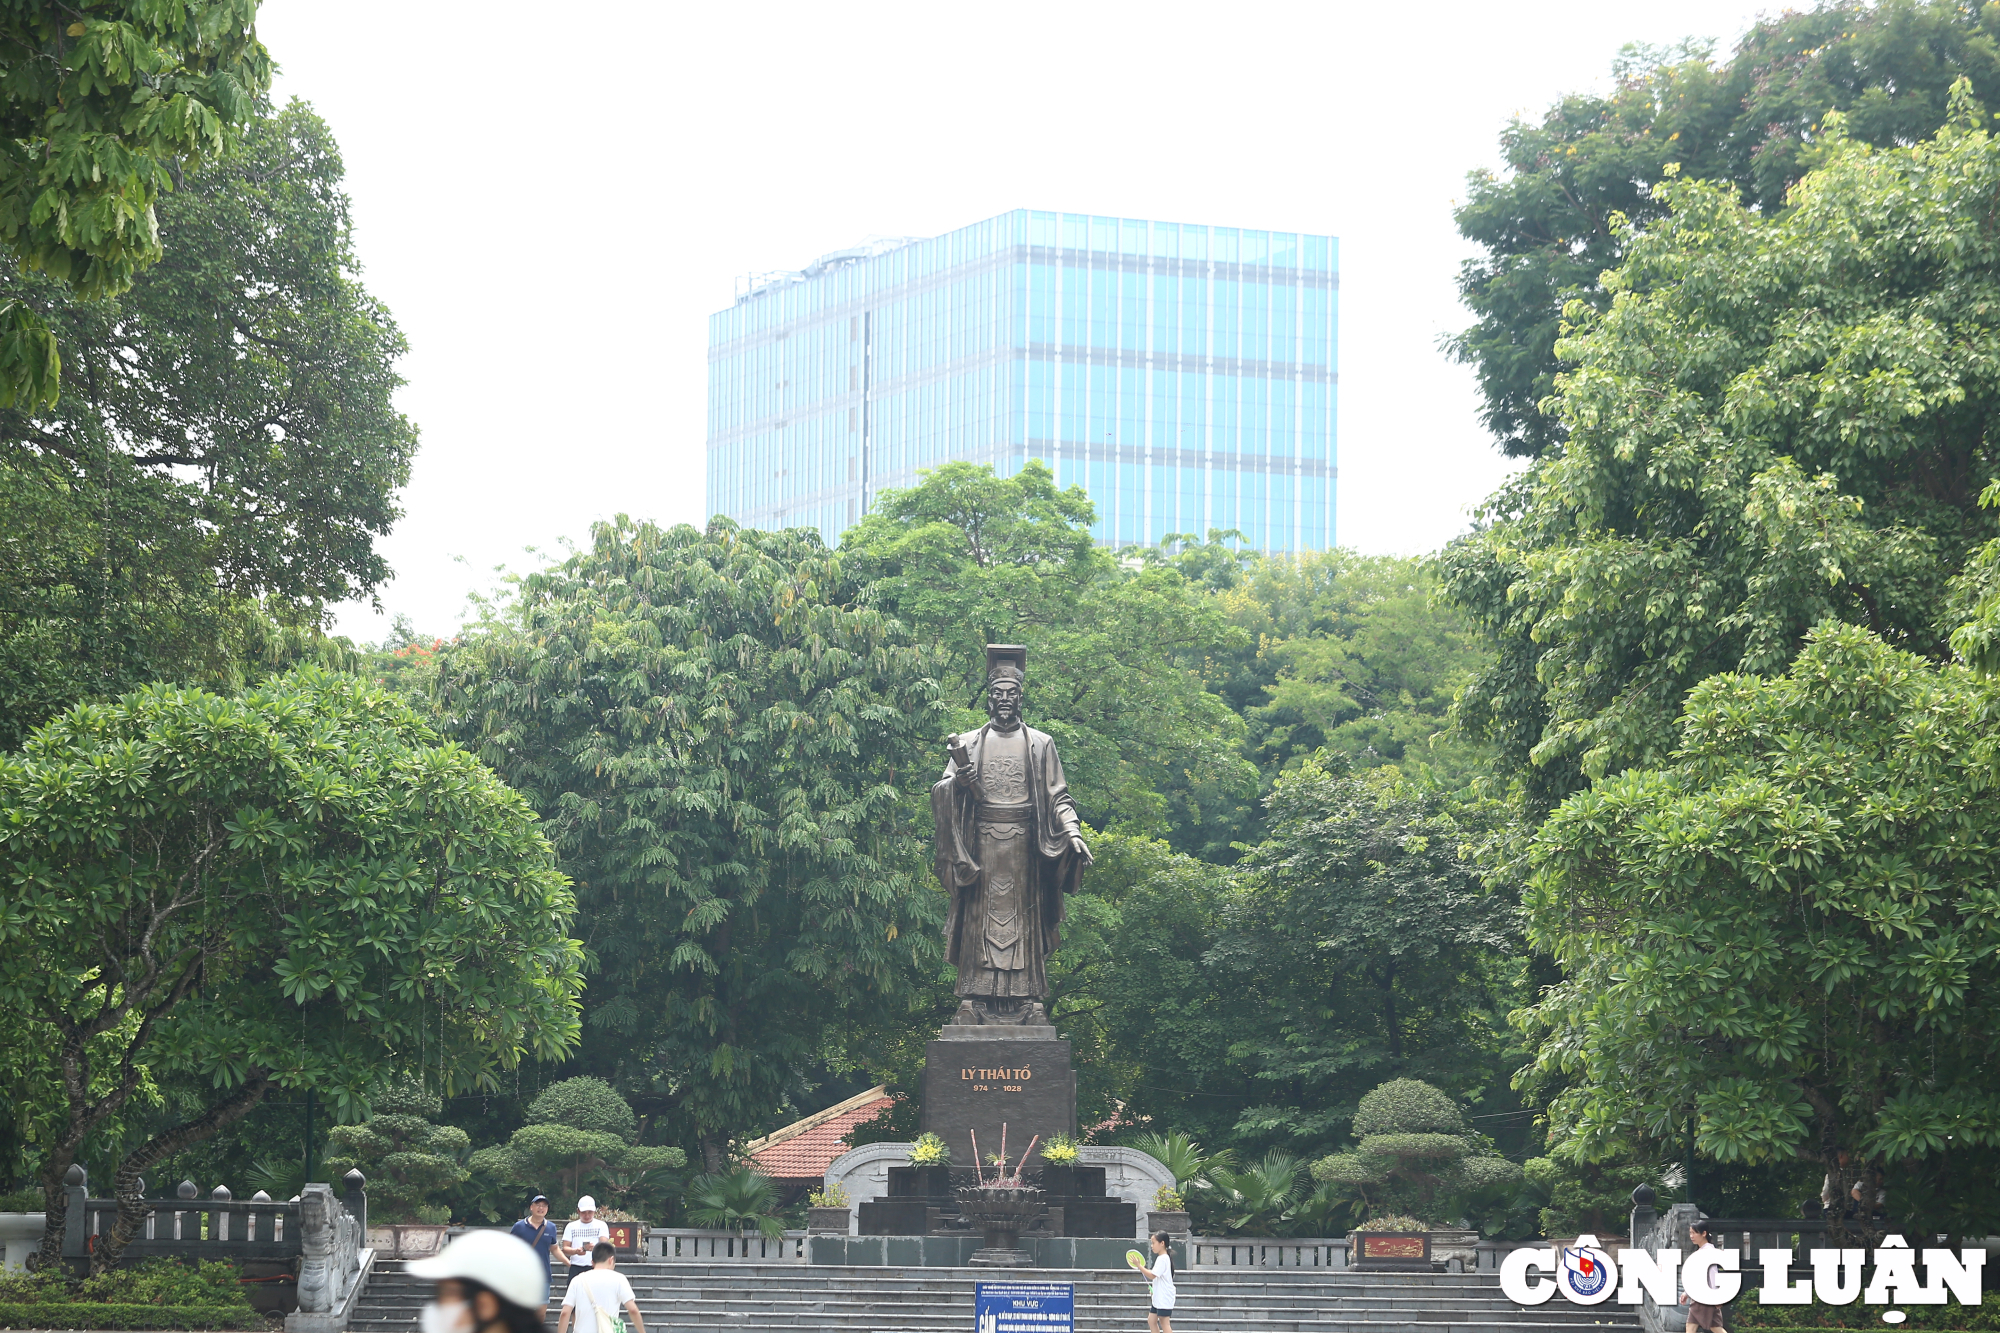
(1184, 376)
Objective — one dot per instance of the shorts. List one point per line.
(1704, 1316)
(1164, 1314)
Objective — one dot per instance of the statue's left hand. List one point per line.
(1076, 845)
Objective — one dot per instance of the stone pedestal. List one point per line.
(977, 1078)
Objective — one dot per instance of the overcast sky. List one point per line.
(553, 200)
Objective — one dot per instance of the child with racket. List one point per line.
(1160, 1318)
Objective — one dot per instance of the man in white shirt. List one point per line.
(599, 1289)
(579, 1236)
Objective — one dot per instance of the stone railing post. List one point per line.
(356, 1200)
(317, 1281)
(76, 1226)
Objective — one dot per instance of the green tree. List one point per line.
(226, 454)
(1416, 1156)
(580, 1131)
(102, 103)
(1785, 938)
(1353, 654)
(1114, 653)
(410, 1163)
(728, 746)
(1778, 420)
(1362, 944)
(299, 888)
(1549, 224)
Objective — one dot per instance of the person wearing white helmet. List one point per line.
(487, 1282)
(580, 1236)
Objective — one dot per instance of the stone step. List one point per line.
(782, 1298)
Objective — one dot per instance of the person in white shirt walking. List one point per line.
(1160, 1318)
(597, 1294)
(579, 1236)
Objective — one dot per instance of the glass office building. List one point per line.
(1184, 376)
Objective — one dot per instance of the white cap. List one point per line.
(586, 1204)
(503, 1264)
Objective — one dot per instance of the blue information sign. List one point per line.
(1025, 1307)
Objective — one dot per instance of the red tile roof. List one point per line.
(805, 1149)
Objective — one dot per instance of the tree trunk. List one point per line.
(713, 1154)
(131, 1213)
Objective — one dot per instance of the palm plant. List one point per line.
(735, 1200)
(1260, 1199)
(281, 1178)
(1182, 1156)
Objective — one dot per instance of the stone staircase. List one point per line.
(756, 1298)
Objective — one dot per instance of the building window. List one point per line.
(851, 467)
(853, 377)
(853, 420)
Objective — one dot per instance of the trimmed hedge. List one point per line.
(1950, 1317)
(94, 1314)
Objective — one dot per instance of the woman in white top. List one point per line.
(1705, 1260)
(1160, 1319)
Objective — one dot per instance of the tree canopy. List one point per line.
(1776, 421)
(1549, 225)
(102, 103)
(728, 746)
(228, 450)
(297, 887)
(1784, 938)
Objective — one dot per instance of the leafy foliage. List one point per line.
(1260, 1199)
(1416, 1156)
(1549, 225)
(226, 454)
(1784, 936)
(102, 102)
(735, 1200)
(1778, 420)
(410, 1163)
(725, 743)
(580, 1135)
(299, 887)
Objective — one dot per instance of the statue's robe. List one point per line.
(1007, 863)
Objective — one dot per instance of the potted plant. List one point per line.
(1390, 1242)
(1169, 1213)
(827, 1213)
(1059, 1158)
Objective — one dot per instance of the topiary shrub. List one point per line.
(579, 1136)
(409, 1161)
(589, 1104)
(1417, 1158)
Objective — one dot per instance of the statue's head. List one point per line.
(1003, 698)
(1005, 677)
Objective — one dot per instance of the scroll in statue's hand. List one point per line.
(961, 759)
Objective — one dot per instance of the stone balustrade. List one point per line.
(1267, 1252)
(695, 1246)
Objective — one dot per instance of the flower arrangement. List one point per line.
(1168, 1200)
(833, 1196)
(1060, 1151)
(929, 1150)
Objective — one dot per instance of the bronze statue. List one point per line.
(1009, 847)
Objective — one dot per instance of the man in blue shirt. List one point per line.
(539, 1233)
